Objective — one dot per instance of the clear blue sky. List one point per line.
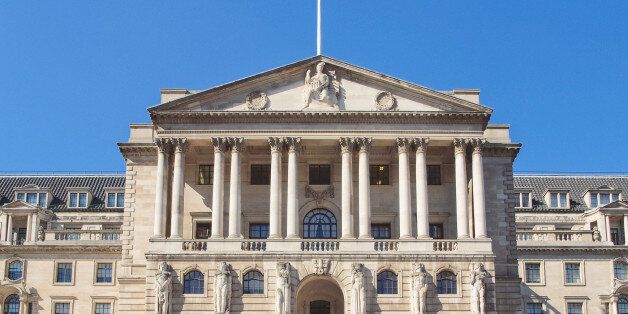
(74, 74)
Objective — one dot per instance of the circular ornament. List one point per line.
(256, 100)
(385, 101)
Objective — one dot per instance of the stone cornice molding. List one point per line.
(106, 248)
(573, 249)
(501, 150)
(551, 219)
(135, 149)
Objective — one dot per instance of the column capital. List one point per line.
(404, 144)
(276, 144)
(293, 143)
(460, 145)
(163, 144)
(346, 144)
(478, 145)
(364, 143)
(180, 144)
(420, 144)
(220, 144)
(236, 144)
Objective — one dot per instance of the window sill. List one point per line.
(63, 284)
(456, 295)
(254, 296)
(194, 295)
(575, 284)
(104, 284)
(534, 283)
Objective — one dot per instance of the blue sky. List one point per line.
(74, 74)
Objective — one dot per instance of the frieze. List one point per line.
(553, 218)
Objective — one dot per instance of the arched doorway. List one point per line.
(319, 295)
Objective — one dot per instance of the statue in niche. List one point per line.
(222, 288)
(323, 88)
(163, 289)
(284, 289)
(419, 290)
(41, 234)
(358, 291)
(478, 289)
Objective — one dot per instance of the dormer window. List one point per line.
(115, 199)
(525, 200)
(557, 199)
(33, 198)
(602, 198)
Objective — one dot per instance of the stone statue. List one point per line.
(222, 288)
(321, 87)
(478, 289)
(597, 237)
(419, 290)
(41, 234)
(284, 289)
(163, 289)
(358, 291)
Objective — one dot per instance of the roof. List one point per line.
(577, 185)
(59, 185)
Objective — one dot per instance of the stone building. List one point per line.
(317, 187)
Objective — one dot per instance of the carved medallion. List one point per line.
(321, 266)
(385, 101)
(256, 100)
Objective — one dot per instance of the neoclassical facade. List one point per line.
(316, 187)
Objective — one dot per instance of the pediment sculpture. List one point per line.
(321, 88)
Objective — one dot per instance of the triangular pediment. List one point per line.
(17, 205)
(334, 86)
(616, 205)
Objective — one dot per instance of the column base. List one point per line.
(293, 236)
(157, 237)
(175, 237)
(464, 236)
(348, 236)
(274, 237)
(216, 237)
(481, 237)
(425, 237)
(366, 236)
(406, 237)
(236, 236)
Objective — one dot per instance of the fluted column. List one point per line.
(220, 145)
(479, 205)
(364, 182)
(346, 150)
(159, 228)
(422, 211)
(178, 183)
(405, 210)
(10, 229)
(276, 146)
(462, 219)
(292, 219)
(608, 228)
(235, 204)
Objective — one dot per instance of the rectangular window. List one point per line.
(574, 308)
(120, 200)
(258, 231)
(20, 197)
(605, 199)
(260, 174)
(380, 231)
(534, 308)
(320, 174)
(558, 199)
(64, 273)
(102, 308)
(593, 200)
(31, 198)
(73, 199)
(615, 197)
(111, 199)
(104, 273)
(572, 272)
(62, 308)
(524, 199)
(82, 200)
(436, 231)
(379, 174)
(617, 236)
(433, 175)
(43, 200)
(533, 272)
(203, 230)
(205, 174)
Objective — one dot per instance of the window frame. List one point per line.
(54, 300)
(251, 225)
(8, 266)
(56, 270)
(113, 273)
(440, 174)
(615, 261)
(210, 179)
(542, 304)
(259, 182)
(88, 198)
(581, 270)
(520, 197)
(383, 177)
(595, 194)
(548, 199)
(116, 193)
(189, 270)
(398, 286)
(458, 283)
(195, 224)
(264, 283)
(579, 299)
(382, 224)
(333, 230)
(319, 182)
(38, 195)
(541, 272)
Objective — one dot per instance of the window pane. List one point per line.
(15, 270)
(379, 174)
(605, 199)
(73, 199)
(258, 231)
(120, 200)
(615, 197)
(31, 198)
(621, 270)
(525, 199)
(436, 231)
(563, 199)
(205, 174)
(20, 197)
(319, 224)
(193, 282)
(62, 308)
(386, 283)
(111, 199)
(446, 283)
(43, 200)
(253, 283)
(533, 272)
(572, 272)
(534, 308)
(380, 231)
(203, 230)
(64, 272)
(574, 308)
(320, 174)
(12, 304)
(553, 199)
(433, 175)
(260, 174)
(103, 308)
(82, 199)
(594, 200)
(104, 273)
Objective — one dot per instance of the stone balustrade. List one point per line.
(66, 236)
(556, 237)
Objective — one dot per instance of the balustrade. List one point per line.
(555, 236)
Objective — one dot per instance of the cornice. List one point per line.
(135, 149)
(574, 249)
(66, 249)
(501, 150)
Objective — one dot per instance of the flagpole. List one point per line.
(318, 29)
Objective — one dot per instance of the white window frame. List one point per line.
(78, 198)
(548, 199)
(117, 193)
(458, 274)
(104, 300)
(399, 274)
(596, 194)
(541, 271)
(251, 295)
(23, 278)
(182, 274)
(575, 299)
(113, 272)
(37, 192)
(582, 273)
(520, 198)
(56, 268)
(61, 299)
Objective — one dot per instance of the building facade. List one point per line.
(317, 187)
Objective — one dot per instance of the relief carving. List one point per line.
(256, 100)
(323, 88)
(385, 101)
(319, 197)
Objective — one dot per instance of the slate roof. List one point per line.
(577, 186)
(58, 185)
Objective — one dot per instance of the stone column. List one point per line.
(405, 211)
(178, 184)
(364, 182)
(625, 229)
(292, 206)
(608, 228)
(479, 206)
(346, 150)
(276, 146)
(159, 229)
(612, 306)
(235, 204)
(220, 145)
(460, 146)
(10, 229)
(35, 227)
(3, 230)
(29, 227)
(422, 211)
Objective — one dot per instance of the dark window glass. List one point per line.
(379, 174)
(104, 273)
(82, 200)
(260, 174)
(258, 231)
(120, 200)
(20, 197)
(205, 174)
(12, 304)
(21, 236)
(621, 270)
(433, 175)
(31, 198)
(622, 304)
(534, 308)
(320, 174)
(446, 283)
(533, 272)
(436, 231)
(574, 308)
(617, 236)
(253, 283)
(203, 230)
(42, 202)
(62, 308)
(64, 272)
(193, 282)
(572, 272)
(103, 308)
(111, 200)
(386, 282)
(380, 231)
(15, 270)
(319, 223)
(73, 199)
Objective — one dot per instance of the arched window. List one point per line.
(622, 304)
(386, 282)
(15, 270)
(12, 304)
(621, 270)
(253, 282)
(319, 223)
(446, 283)
(193, 282)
